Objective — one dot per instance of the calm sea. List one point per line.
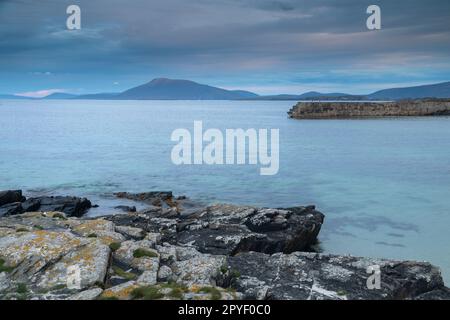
(384, 185)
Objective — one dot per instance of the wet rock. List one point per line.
(10, 196)
(156, 198)
(12, 202)
(310, 276)
(71, 206)
(11, 209)
(126, 208)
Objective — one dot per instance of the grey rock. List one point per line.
(126, 208)
(164, 274)
(311, 276)
(89, 294)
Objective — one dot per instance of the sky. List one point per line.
(265, 46)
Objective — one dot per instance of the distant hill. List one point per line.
(98, 96)
(12, 97)
(312, 95)
(440, 90)
(168, 89)
(59, 95)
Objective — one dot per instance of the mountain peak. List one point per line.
(178, 89)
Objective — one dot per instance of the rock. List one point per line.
(157, 198)
(98, 228)
(10, 196)
(311, 276)
(90, 294)
(225, 229)
(33, 251)
(218, 252)
(438, 294)
(341, 109)
(164, 274)
(11, 209)
(79, 269)
(126, 208)
(72, 206)
(130, 232)
(147, 260)
(194, 268)
(121, 291)
(148, 277)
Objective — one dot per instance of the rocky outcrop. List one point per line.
(12, 202)
(336, 110)
(312, 276)
(218, 252)
(228, 229)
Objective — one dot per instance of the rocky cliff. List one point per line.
(336, 110)
(174, 250)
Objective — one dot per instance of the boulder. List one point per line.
(10, 196)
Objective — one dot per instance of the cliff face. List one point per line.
(330, 110)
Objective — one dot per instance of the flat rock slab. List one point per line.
(311, 276)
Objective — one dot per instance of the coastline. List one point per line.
(175, 249)
(370, 109)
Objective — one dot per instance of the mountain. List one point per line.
(59, 95)
(168, 89)
(439, 90)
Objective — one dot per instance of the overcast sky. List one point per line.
(266, 46)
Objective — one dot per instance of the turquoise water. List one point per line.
(383, 184)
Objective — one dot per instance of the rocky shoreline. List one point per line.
(175, 249)
(361, 109)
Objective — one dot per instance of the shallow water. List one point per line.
(383, 184)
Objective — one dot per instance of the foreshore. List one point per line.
(369, 109)
(177, 249)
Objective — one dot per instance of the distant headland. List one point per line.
(368, 109)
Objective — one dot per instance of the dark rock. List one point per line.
(156, 198)
(11, 209)
(229, 229)
(10, 196)
(439, 294)
(71, 206)
(311, 276)
(31, 205)
(126, 208)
